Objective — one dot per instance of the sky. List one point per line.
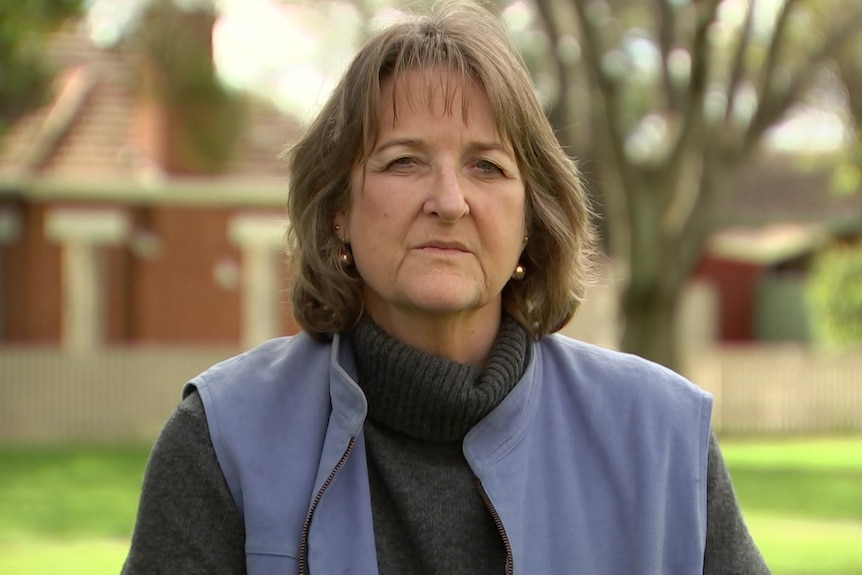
(290, 53)
(294, 53)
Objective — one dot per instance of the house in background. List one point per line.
(103, 241)
(758, 261)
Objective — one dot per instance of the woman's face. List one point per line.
(437, 216)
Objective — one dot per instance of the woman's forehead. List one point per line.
(429, 88)
(437, 90)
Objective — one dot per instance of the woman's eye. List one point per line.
(488, 167)
(404, 162)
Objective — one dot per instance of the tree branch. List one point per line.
(666, 28)
(767, 78)
(715, 192)
(738, 70)
(850, 69)
(693, 120)
(775, 102)
(557, 115)
(606, 93)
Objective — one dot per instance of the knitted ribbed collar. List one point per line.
(426, 396)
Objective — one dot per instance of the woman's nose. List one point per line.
(446, 197)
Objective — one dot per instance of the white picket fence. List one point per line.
(121, 395)
(781, 389)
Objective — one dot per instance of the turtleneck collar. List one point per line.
(428, 397)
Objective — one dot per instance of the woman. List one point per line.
(428, 420)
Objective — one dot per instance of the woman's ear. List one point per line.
(339, 225)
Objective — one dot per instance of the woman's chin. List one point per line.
(447, 297)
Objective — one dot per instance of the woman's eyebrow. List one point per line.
(414, 143)
(476, 147)
(491, 146)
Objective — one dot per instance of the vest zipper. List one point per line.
(303, 546)
(510, 563)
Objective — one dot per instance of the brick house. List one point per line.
(757, 262)
(100, 244)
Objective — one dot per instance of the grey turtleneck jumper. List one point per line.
(429, 517)
(428, 514)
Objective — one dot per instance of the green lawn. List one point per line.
(70, 510)
(67, 510)
(802, 500)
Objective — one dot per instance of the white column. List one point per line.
(260, 240)
(81, 233)
(83, 293)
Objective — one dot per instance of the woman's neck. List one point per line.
(465, 337)
(426, 396)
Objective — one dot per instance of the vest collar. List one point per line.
(498, 432)
(349, 405)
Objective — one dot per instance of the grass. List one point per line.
(69, 492)
(802, 501)
(70, 510)
(44, 556)
(67, 510)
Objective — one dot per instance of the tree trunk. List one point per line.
(650, 314)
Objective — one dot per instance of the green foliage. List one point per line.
(24, 76)
(835, 297)
(176, 46)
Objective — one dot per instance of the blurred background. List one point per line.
(142, 215)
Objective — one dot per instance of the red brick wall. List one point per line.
(118, 261)
(174, 294)
(31, 282)
(169, 294)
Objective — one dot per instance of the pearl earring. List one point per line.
(519, 272)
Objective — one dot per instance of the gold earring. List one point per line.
(519, 272)
(344, 255)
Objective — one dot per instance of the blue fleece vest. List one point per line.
(595, 462)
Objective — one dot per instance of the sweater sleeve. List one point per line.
(730, 550)
(187, 521)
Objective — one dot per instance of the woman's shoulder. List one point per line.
(642, 400)
(589, 354)
(280, 363)
(270, 357)
(614, 370)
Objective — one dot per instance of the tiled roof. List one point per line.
(775, 188)
(91, 131)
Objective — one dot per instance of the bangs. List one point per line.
(426, 49)
(430, 52)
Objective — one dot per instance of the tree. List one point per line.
(849, 171)
(24, 75)
(837, 321)
(835, 288)
(668, 99)
(202, 118)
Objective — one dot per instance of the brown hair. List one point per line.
(469, 40)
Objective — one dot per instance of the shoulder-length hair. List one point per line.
(470, 41)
